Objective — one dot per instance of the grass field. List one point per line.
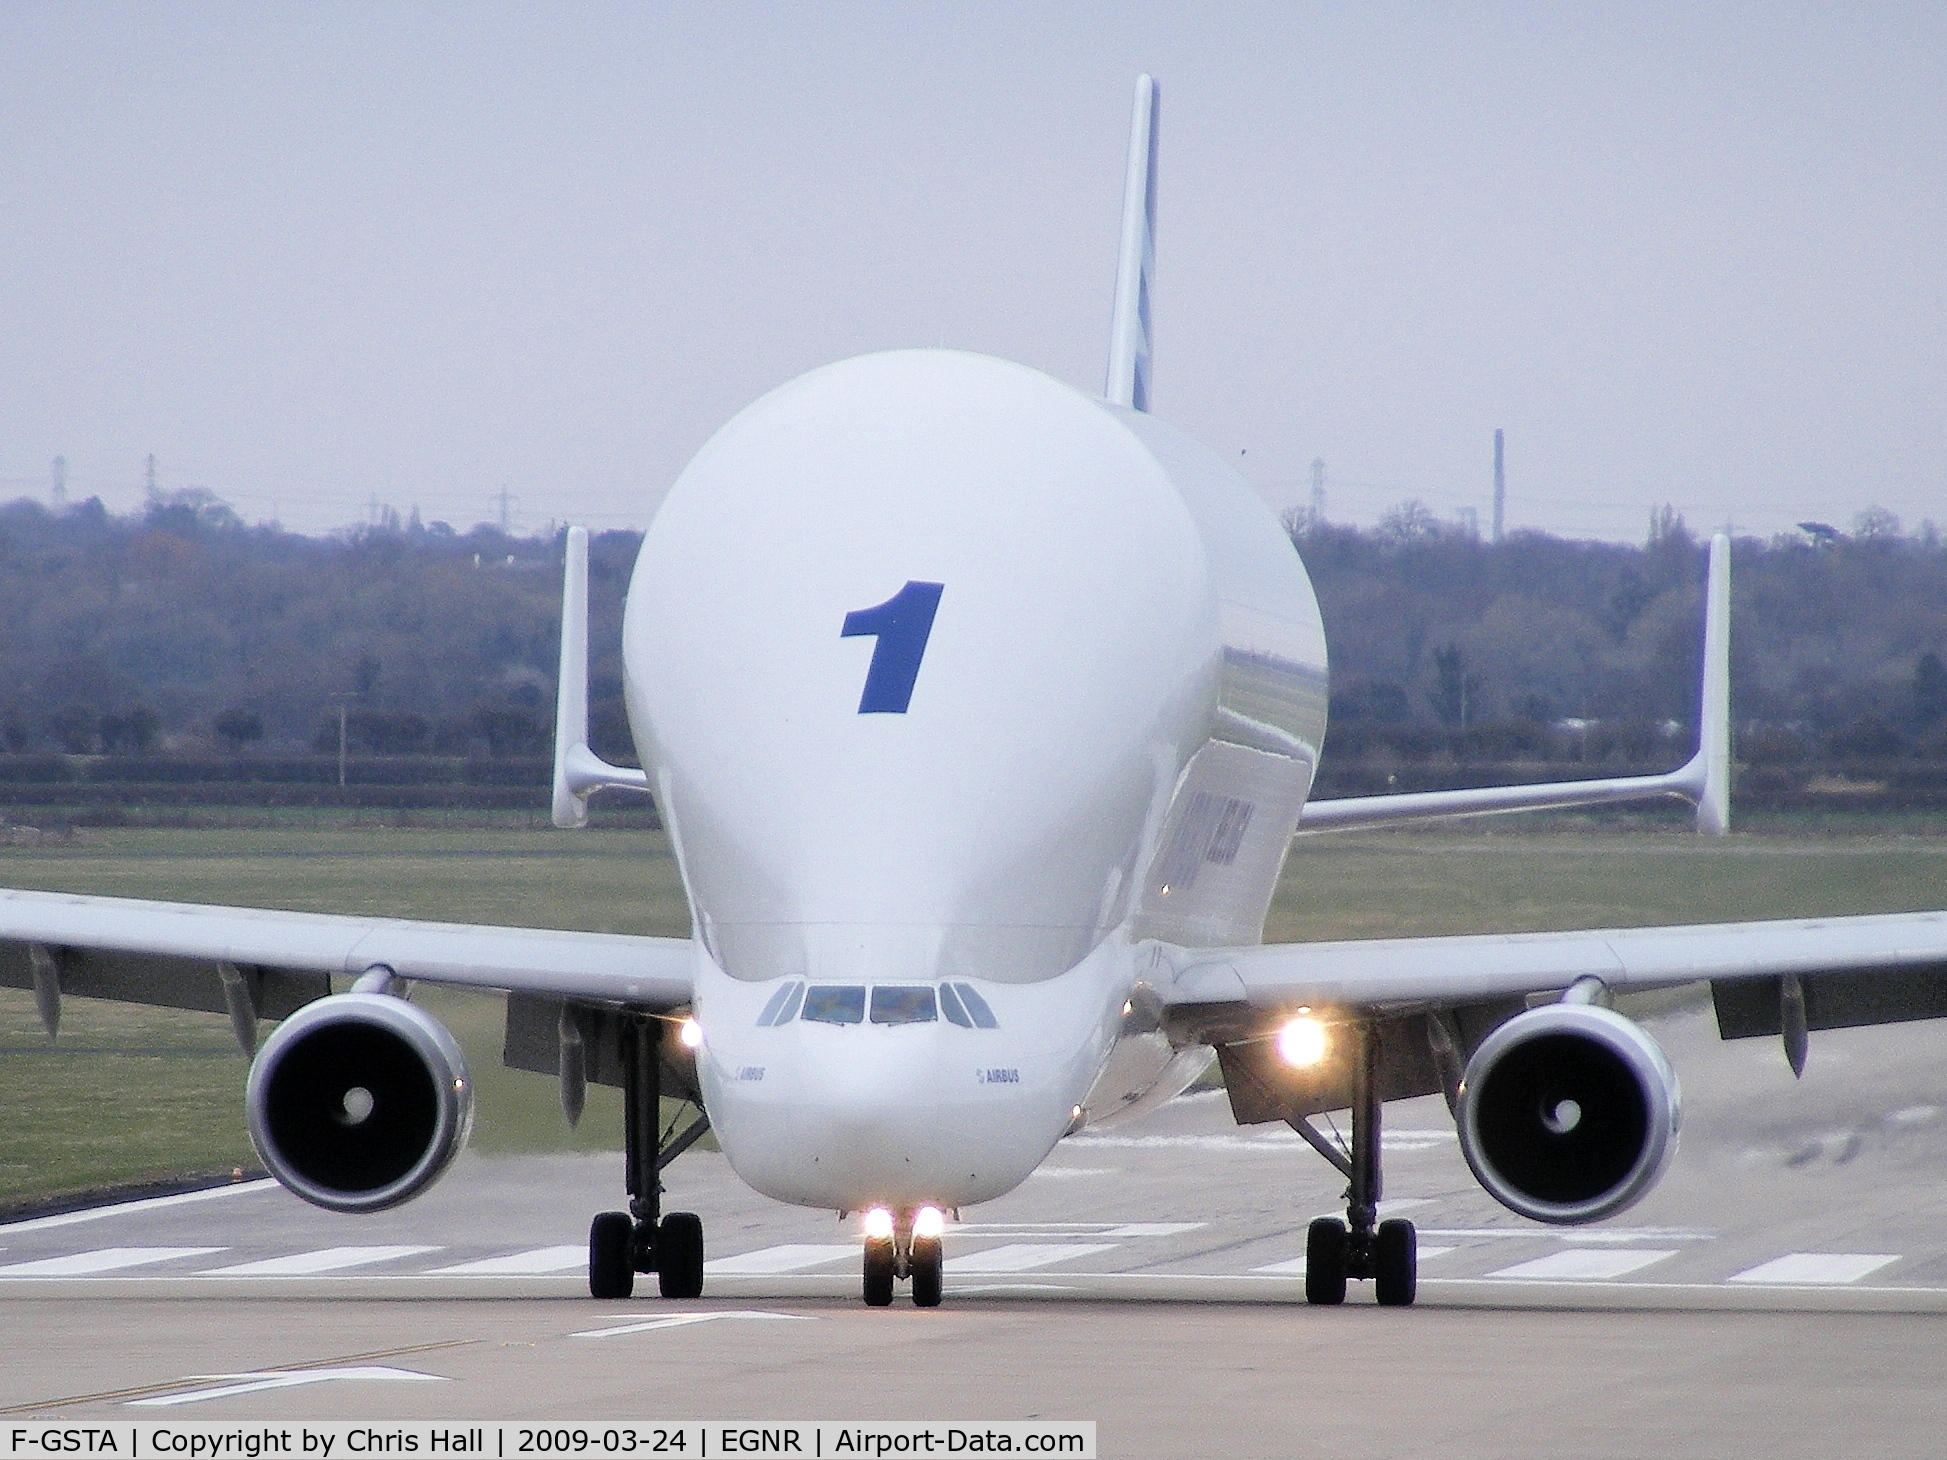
(128, 1093)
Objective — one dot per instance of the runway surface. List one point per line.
(1784, 1291)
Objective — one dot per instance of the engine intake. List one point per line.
(1568, 1113)
(359, 1101)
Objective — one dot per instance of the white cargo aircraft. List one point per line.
(981, 712)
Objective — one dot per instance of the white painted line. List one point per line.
(1816, 1267)
(519, 1264)
(275, 1379)
(1023, 1256)
(1295, 1267)
(1584, 1264)
(146, 1204)
(106, 1259)
(683, 1320)
(790, 1257)
(967, 1290)
(1151, 1229)
(325, 1259)
(1089, 1228)
(1073, 1171)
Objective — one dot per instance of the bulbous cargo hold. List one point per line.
(359, 1102)
(1568, 1113)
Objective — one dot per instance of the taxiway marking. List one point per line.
(787, 1257)
(103, 1259)
(1585, 1264)
(325, 1259)
(683, 1320)
(286, 1379)
(534, 1261)
(1024, 1256)
(1815, 1267)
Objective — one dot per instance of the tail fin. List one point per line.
(577, 769)
(1713, 759)
(1128, 380)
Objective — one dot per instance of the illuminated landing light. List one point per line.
(878, 1224)
(691, 1033)
(929, 1222)
(1302, 1042)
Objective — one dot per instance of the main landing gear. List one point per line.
(622, 1244)
(1387, 1254)
(906, 1245)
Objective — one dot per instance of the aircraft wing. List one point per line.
(191, 955)
(1404, 972)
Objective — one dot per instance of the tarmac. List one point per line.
(1782, 1292)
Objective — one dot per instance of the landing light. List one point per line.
(1302, 1042)
(878, 1224)
(930, 1222)
(690, 1032)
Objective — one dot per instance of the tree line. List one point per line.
(178, 629)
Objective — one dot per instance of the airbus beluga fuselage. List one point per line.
(916, 751)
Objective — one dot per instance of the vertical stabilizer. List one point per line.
(1714, 714)
(577, 769)
(1128, 378)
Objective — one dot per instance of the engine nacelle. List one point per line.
(1568, 1113)
(359, 1101)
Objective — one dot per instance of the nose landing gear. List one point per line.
(622, 1244)
(1336, 1251)
(905, 1245)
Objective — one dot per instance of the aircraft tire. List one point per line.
(1326, 1244)
(928, 1264)
(1395, 1264)
(611, 1249)
(679, 1256)
(878, 1273)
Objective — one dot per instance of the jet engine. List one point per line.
(359, 1101)
(1568, 1113)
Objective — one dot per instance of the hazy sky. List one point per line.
(315, 256)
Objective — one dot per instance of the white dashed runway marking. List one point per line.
(273, 1379)
(1583, 1264)
(787, 1257)
(104, 1259)
(535, 1262)
(1816, 1267)
(684, 1320)
(1023, 1256)
(325, 1259)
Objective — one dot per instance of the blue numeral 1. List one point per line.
(902, 625)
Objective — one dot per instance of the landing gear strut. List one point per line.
(903, 1253)
(622, 1244)
(1387, 1253)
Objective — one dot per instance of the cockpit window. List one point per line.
(976, 1006)
(834, 1003)
(950, 1005)
(779, 1009)
(899, 1004)
(791, 1005)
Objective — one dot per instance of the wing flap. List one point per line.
(170, 981)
